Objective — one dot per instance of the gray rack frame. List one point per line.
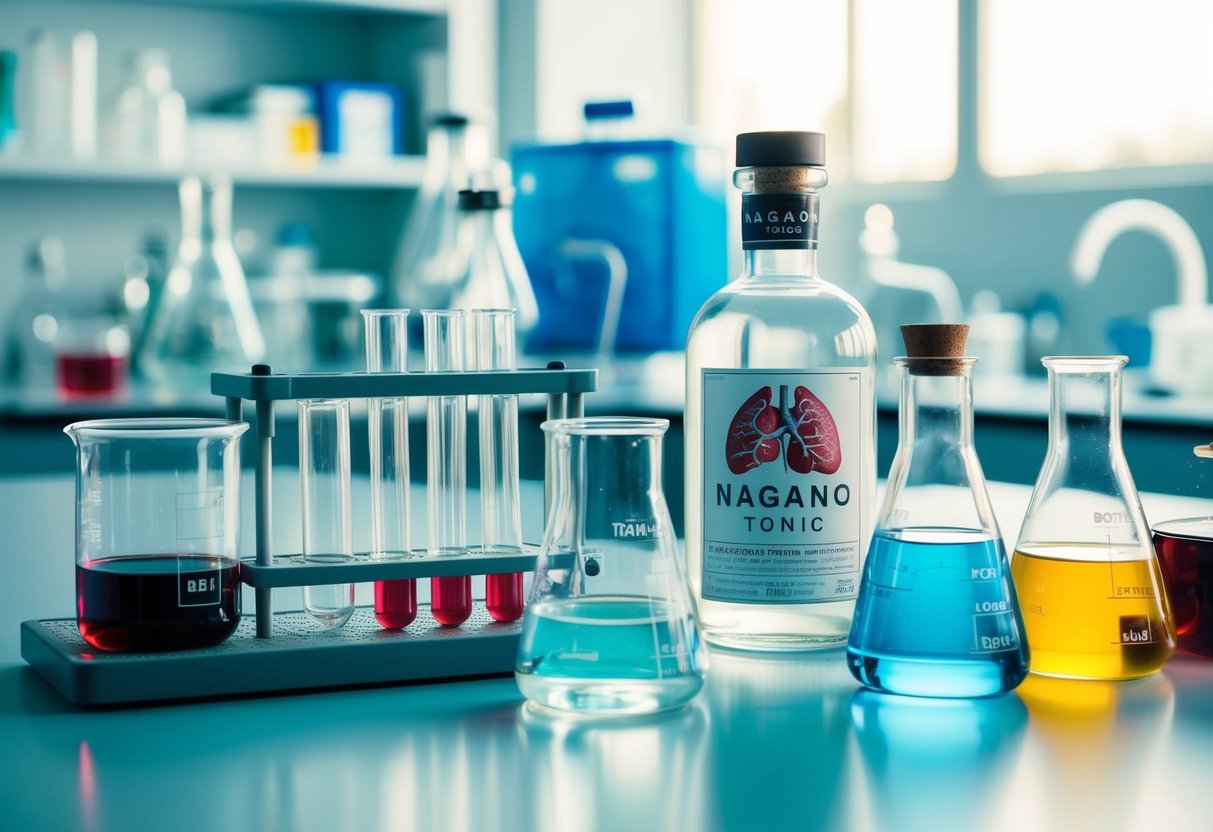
(563, 387)
(253, 660)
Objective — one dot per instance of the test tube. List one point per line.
(446, 464)
(501, 516)
(324, 474)
(388, 426)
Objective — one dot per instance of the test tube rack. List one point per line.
(285, 651)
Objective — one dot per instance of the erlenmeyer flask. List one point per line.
(937, 614)
(203, 318)
(608, 629)
(1088, 580)
(430, 263)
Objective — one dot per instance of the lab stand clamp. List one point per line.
(285, 651)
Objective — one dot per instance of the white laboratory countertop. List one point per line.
(771, 743)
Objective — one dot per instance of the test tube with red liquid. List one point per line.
(445, 333)
(388, 426)
(501, 515)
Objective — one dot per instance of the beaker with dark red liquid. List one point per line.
(1185, 553)
(157, 518)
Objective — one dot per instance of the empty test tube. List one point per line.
(501, 515)
(324, 473)
(388, 426)
(446, 464)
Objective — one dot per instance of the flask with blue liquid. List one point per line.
(937, 613)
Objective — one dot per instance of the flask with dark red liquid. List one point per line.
(157, 518)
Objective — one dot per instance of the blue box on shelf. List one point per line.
(360, 119)
(655, 205)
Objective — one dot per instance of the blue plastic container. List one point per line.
(659, 202)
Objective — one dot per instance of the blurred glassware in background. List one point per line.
(999, 337)
(92, 356)
(429, 264)
(279, 300)
(34, 322)
(203, 320)
(494, 276)
(144, 274)
(894, 292)
(8, 96)
(60, 109)
(145, 121)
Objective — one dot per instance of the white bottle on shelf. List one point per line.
(146, 118)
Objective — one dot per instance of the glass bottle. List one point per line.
(1087, 577)
(429, 263)
(780, 422)
(203, 318)
(937, 613)
(494, 276)
(33, 324)
(147, 116)
(608, 628)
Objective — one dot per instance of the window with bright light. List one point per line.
(889, 114)
(1095, 84)
(904, 90)
(773, 65)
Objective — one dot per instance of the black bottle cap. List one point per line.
(449, 120)
(479, 200)
(781, 148)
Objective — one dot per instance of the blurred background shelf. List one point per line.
(402, 172)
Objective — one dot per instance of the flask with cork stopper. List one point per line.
(937, 613)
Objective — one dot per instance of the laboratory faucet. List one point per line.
(1114, 219)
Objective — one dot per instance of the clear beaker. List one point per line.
(937, 613)
(388, 434)
(324, 478)
(497, 419)
(1088, 580)
(157, 523)
(446, 464)
(608, 628)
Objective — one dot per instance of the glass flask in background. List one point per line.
(937, 613)
(497, 420)
(388, 433)
(446, 464)
(324, 478)
(429, 264)
(608, 628)
(34, 322)
(1089, 583)
(146, 118)
(202, 319)
(494, 276)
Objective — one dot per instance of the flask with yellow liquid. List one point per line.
(1089, 584)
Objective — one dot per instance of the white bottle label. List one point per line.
(781, 485)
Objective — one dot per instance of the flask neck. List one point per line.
(779, 219)
(1084, 402)
(206, 210)
(781, 262)
(937, 406)
(936, 481)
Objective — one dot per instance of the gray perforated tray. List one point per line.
(299, 656)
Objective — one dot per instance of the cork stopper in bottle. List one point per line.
(935, 349)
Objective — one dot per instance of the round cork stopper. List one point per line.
(935, 349)
(782, 180)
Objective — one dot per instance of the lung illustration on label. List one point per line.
(799, 428)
